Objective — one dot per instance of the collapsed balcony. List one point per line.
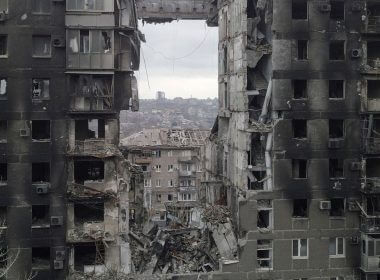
(91, 93)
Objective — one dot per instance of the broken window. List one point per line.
(336, 128)
(336, 247)
(170, 197)
(3, 216)
(41, 46)
(337, 207)
(86, 5)
(264, 214)
(302, 49)
(373, 50)
(372, 167)
(88, 171)
(373, 89)
(336, 168)
(4, 6)
(87, 41)
(40, 215)
(88, 212)
(299, 89)
(300, 249)
(3, 88)
(337, 50)
(373, 205)
(41, 130)
(84, 36)
(256, 182)
(299, 9)
(336, 89)
(337, 10)
(41, 6)
(89, 129)
(40, 89)
(40, 172)
(40, 258)
(300, 208)
(88, 255)
(3, 131)
(3, 45)
(264, 254)
(3, 173)
(299, 168)
(299, 129)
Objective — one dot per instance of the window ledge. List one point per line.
(299, 258)
(337, 218)
(4, 56)
(336, 257)
(41, 141)
(2, 183)
(40, 226)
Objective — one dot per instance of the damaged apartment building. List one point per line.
(170, 161)
(66, 71)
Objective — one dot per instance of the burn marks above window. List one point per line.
(88, 212)
(336, 129)
(299, 168)
(299, 129)
(87, 171)
(300, 208)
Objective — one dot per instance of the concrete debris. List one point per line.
(216, 214)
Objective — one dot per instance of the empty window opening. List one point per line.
(372, 167)
(300, 248)
(300, 208)
(373, 205)
(40, 258)
(89, 129)
(373, 89)
(336, 128)
(88, 171)
(3, 131)
(3, 88)
(88, 255)
(337, 51)
(299, 89)
(40, 89)
(3, 173)
(299, 129)
(3, 258)
(41, 46)
(337, 10)
(264, 219)
(256, 181)
(40, 172)
(170, 197)
(302, 49)
(336, 89)
(3, 45)
(336, 168)
(40, 215)
(299, 9)
(336, 247)
(88, 212)
(337, 207)
(3, 216)
(373, 50)
(299, 168)
(41, 6)
(41, 130)
(264, 254)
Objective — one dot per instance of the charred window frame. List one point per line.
(42, 46)
(40, 172)
(302, 49)
(40, 216)
(170, 197)
(299, 9)
(372, 167)
(337, 50)
(336, 168)
(3, 174)
(3, 131)
(3, 46)
(299, 89)
(3, 218)
(40, 89)
(41, 7)
(89, 129)
(336, 129)
(300, 208)
(40, 258)
(88, 254)
(299, 129)
(337, 207)
(91, 170)
(3, 88)
(336, 89)
(88, 212)
(41, 130)
(300, 168)
(337, 10)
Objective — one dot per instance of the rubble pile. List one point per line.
(216, 214)
(173, 250)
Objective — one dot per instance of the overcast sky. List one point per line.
(194, 70)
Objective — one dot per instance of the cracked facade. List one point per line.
(66, 71)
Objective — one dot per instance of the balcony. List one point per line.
(370, 224)
(370, 257)
(93, 147)
(371, 145)
(95, 104)
(370, 185)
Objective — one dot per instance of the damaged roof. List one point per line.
(153, 137)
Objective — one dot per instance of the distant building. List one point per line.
(170, 160)
(160, 95)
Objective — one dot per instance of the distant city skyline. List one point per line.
(181, 60)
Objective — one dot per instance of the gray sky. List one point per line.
(194, 72)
